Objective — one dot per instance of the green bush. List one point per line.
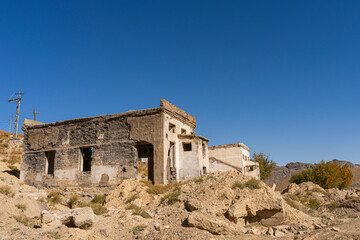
(325, 174)
(265, 164)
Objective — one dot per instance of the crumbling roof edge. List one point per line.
(239, 144)
(193, 136)
(131, 113)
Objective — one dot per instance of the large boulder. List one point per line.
(213, 225)
(260, 207)
(78, 217)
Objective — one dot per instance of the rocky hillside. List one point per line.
(281, 174)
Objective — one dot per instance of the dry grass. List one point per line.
(24, 220)
(139, 228)
(171, 198)
(22, 207)
(138, 211)
(96, 207)
(132, 198)
(54, 197)
(6, 190)
(160, 189)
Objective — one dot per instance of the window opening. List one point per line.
(183, 131)
(171, 127)
(187, 147)
(50, 162)
(86, 154)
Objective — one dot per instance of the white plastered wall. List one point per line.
(172, 136)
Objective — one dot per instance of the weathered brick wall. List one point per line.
(114, 156)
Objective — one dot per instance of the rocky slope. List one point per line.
(217, 206)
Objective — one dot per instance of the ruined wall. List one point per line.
(114, 154)
(149, 129)
(233, 156)
(172, 127)
(194, 162)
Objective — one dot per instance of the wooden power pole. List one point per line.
(16, 123)
(34, 112)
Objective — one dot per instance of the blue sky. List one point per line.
(280, 76)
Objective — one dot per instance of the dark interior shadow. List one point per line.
(15, 173)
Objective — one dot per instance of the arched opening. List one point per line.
(145, 152)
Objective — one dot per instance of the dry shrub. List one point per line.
(96, 207)
(74, 199)
(160, 189)
(99, 199)
(251, 184)
(24, 220)
(138, 211)
(22, 207)
(6, 190)
(54, 197)
(331, 206)
(139, 228)
(171, 197)
(132, 198)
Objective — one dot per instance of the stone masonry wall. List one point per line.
(114, 155)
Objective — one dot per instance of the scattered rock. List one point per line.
(213, 225)
(335, 229)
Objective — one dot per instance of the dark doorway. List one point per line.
(50, 162)
(145, 153)
(86, 154)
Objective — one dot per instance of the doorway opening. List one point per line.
(145, 153)
(86, 158)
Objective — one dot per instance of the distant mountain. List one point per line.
(281, 174)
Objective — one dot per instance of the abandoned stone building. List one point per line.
(233, 156)
(104, 150)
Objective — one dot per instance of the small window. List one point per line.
(183, 131)
(171, 127)
(187, 147)
(50, 162)
(86, 158)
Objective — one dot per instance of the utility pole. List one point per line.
(11, 118)
(16, 123)
(34, 112)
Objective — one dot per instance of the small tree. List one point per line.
(325, 174)
(265, 164)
